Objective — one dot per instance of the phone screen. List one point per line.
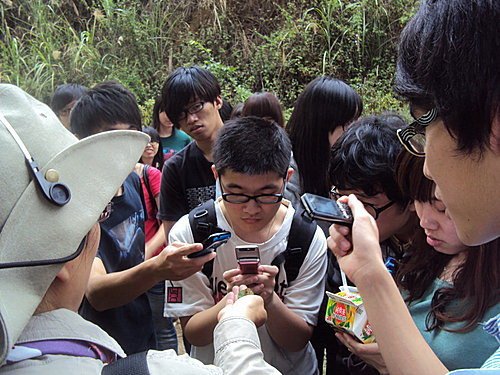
(324, 206)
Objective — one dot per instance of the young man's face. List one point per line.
(251, 217)
(392, 221)
(469, 186)
(205, 122)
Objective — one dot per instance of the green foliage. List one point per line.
(250, 46)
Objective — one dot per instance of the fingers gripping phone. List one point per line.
(248, 257)
(321, 208)
(211, 243)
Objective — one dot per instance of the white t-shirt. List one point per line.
(303, 297)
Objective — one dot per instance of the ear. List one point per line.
(495, 135)
(411, 206)
(289, 174)
(218, 102)
(214, 171)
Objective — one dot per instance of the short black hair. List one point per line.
(253, 146)
(183, 86)
(364, 157)
(65, 94)
(326, 104)
(107, 103)
(449, 59)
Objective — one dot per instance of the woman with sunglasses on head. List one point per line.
(448, 292)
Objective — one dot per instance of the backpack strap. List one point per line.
(135, 364)
(145, 177)
(300, 237)
(203, 222)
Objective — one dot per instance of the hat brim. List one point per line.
(93, 168)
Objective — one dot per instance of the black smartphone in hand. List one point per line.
(321, 208)
(211, 243)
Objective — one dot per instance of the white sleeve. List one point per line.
(193, 294)
(237, 348)
(305, 294)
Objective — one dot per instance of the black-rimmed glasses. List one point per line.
(244, 198)
(369, 207)
(413, 136)
(191, 110)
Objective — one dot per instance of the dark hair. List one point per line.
(324, 105)
(225, 110)
(364, 157)
(65, 94)
(155, 137)
(107, 103)
(183, 86)
(265, 105)
(237, 109)
(449, 59)
(475, 282)
(252, 145)
(157, 109)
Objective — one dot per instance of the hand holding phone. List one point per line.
(248, 257)
(211, 243)
(321, 208)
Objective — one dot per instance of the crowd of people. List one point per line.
(105, 218)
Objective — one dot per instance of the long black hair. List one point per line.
(324, 105)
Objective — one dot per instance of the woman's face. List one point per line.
(439, 229)
(150, 150)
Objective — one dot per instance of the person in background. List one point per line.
(64, 99)
(265, 105)
(172, 140)
(238, 108)
(226, 110)
(448, 70)
(150, 175)
(321, 114)
(323, 111)
(191, 99)
(116, 292)
(450, 288)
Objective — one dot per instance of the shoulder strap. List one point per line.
(203, 222)
(135, 364)
(145, 176)
(300, 237)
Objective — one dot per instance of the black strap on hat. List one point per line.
(55, 192)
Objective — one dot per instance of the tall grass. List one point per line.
(278, 46)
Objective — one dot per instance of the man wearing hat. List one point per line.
(54, 191)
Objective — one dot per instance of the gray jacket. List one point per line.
(236, 344)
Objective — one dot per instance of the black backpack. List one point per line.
(203, 222)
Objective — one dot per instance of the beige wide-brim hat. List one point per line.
(32, 228)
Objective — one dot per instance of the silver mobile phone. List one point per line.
(321, 208)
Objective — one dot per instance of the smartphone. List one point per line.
(325, 209)
(248, 257)
(211, 243)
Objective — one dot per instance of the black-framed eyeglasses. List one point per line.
(244, 198)
(370, 208)
(191, 110)
(413, 136)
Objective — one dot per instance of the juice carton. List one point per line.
(345, 312)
